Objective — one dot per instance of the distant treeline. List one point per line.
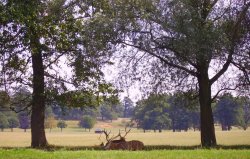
(181, 112)
(177, 112)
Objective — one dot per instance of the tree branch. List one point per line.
(193, 73)
(241, 15)
(224, 89)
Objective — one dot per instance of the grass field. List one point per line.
(155, 154)
(74, 136)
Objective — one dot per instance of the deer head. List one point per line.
(122, 138)
(113, 144)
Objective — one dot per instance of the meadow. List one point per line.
(74, 136)
(77, 143)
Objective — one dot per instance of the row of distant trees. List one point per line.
(181, 112)
(12, 120)
(19, 102)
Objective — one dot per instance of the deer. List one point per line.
(121, 144)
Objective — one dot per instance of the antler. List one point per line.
(107, 135)
(126, 132)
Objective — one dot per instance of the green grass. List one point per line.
(155, 154)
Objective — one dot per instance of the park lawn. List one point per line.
(78, 137)
(155, 154)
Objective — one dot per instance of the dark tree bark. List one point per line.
(38, 101)
(208, 138)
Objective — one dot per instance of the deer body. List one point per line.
(135, 145)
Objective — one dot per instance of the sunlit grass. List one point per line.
(156, 154)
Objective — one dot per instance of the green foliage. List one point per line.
(3, 121)
(183, 112)
(167, 111)
(151, 113)
(4, 100)
(110, 111)
(87, 122)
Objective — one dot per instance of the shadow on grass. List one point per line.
(146, 148)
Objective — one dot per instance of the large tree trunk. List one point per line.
(207, 122)
(38, 138)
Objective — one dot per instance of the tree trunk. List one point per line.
(173, 125)
(38, 101)
(207, 122)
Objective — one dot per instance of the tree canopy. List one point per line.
(186, 45)
(38, 43)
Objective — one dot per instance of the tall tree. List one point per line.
(38, 40)
(185, 45)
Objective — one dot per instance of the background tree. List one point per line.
(61, 124)
(183, 112)
(87, 122)
(13, 122)
(243, 112)
(111, 111)
(151, 113)
(226, 111)
(3, 122)
(50, 123)
(24, 121)
(175, 44)
(128, 107)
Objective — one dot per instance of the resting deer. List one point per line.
(121, 144)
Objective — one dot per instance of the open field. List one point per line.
(74, 136)
(156, 154)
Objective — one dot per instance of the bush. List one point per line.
(61, 124)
